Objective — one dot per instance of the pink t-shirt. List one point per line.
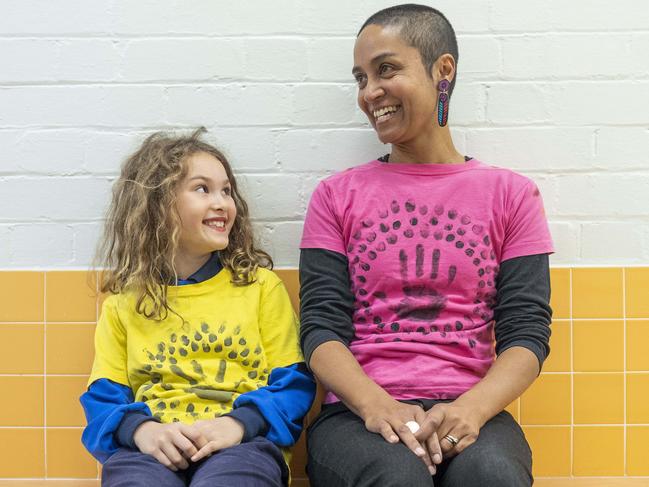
(424, 242)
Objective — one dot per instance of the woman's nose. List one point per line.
(373, 91)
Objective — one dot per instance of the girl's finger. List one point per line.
(206, 451)
(184, 445)
(172, 453)
(162, 458)
(194, 435)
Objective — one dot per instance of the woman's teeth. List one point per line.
(384, 113)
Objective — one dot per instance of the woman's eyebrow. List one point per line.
(375, 60)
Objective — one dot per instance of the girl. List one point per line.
(411, 265)
(196, 350)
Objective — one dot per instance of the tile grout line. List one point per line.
(45, 372)
(572, 379)
(624, 392)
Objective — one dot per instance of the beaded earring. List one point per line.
(442, 102)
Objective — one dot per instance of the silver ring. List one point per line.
(451, 439)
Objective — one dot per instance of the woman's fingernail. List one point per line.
(394, 439)
(432, 470)
(437, 458)
(420, 452)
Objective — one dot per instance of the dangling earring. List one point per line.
(442, 102)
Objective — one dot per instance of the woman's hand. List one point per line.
(389, 417)
(221, 433)
(456, 424)
(171, 444)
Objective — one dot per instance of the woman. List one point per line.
(417, 269)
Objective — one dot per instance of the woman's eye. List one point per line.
(360, 80)
(385, 68)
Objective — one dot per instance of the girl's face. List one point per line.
(205, 206)
(394, 90)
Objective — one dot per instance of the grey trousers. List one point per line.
(341, 452)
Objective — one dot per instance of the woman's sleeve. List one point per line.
(522, 313)
(326, 300)
(112, 418)
(283, 403)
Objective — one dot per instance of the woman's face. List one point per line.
(394, 90)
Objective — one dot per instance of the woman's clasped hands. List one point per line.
(174, 445)
(443, 431)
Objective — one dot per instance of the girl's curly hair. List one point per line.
(142, 229)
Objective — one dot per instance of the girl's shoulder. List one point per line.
(266, 277)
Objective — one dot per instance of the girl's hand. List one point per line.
(220, 433)
(456, 425)
(389, 419)
(171, 444)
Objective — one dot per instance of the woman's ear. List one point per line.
(444, 68)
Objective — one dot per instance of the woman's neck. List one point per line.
(186, 264)
(435, 146)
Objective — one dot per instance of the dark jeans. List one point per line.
(257, 463)
(341, 452)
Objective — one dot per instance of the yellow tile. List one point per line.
(637, 398)
(547, 401)
(513, 409)
(66, 456)
(63, 406)
(637, 292)
(637, 338)
(70, 348)
(23, 401)
(22, 453)
(598, 450)
(598, 346)
(22, 351)
(291, 280)
(597, 293)
(599, 398)
(637, 455)
(550, 450)
(560, 296)
(71, 296)
(21, 296)
(559, 358)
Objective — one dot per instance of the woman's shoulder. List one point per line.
(351, 172)
(502, 175)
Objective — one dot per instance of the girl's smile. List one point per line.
(206, 209)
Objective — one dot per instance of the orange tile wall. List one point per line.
(587, 415)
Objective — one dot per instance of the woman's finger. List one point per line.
(388, 434)
(408, 439)
(434, 449)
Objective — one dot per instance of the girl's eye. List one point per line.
(227, 191)
(202, 189)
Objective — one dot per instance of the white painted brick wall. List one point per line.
(556, 90)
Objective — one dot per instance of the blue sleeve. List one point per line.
(276, 411)
(105, 404)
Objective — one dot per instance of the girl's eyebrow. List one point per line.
(206, 178)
